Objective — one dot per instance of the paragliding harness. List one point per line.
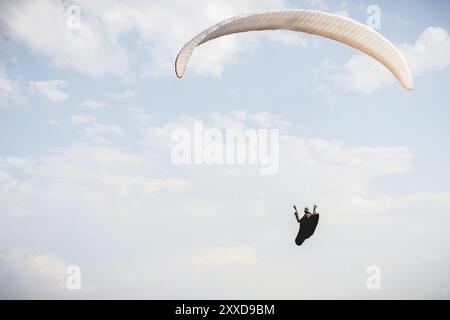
(308, 224)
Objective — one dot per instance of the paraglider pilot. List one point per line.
(308, 224)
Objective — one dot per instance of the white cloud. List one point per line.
(269, 120)
(96, 48)
(92, 128)
(431, 51)
(121, 95)
(82, 119)
(141, 116)
(91, 104)
(10, 91)
(52, 89)
(324, 164)
(241, 119)
(43, 28)
(362, 73)
(85, 176)
(26, 275)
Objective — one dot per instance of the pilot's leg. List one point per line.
(299, 239)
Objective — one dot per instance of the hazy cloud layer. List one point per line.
(214, 227)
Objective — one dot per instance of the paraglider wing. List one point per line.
(327, 25)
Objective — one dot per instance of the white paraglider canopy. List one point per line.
(341, 29)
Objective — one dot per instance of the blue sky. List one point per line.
(86, 177)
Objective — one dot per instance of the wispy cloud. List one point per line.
(91, 104)
(130, 193)
(121, 95)
(52, 89)
(10, 91)
(90, 127)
